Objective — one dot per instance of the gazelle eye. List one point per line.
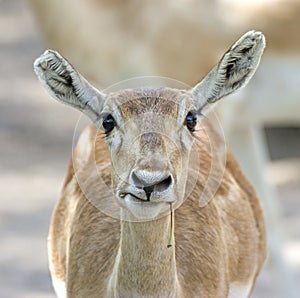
(108, 123)
(191, 120)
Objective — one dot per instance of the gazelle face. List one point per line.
(149, 133)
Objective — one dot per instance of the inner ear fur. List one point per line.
(66, 85)
(233, 72)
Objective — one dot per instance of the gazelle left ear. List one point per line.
(233, 71)
(66, 85)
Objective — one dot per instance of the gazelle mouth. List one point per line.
(134, 198)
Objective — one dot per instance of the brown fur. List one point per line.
(154, 152)
(151, 154)
(215, 245)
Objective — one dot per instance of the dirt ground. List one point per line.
(36, 138)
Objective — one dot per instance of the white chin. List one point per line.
(142, 211)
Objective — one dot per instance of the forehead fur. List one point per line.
(166, 101)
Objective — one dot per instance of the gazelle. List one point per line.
(215, 247)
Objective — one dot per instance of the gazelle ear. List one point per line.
(233, 71)
(66, 85)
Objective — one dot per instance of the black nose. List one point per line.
(151, 181)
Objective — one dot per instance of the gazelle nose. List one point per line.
(151, 181)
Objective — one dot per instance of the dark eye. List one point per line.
(191, 120)
(108, 123)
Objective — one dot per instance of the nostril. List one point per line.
(158, 187)
(150, 182)
(136, 180)
(164, 184)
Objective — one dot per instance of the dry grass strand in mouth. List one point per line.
(171, 238)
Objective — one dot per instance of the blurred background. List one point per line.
(109, 41)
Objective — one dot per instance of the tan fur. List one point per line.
(150, 152)
(215, 246)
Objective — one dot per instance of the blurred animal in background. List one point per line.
(113, 40)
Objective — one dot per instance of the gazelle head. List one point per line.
(150, 131)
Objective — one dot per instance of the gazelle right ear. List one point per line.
(66, 85)
(233, 72)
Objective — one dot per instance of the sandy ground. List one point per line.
(36, 139)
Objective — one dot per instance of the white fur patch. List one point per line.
(239, 290)
(59, 287)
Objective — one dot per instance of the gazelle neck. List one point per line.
(145, 265)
